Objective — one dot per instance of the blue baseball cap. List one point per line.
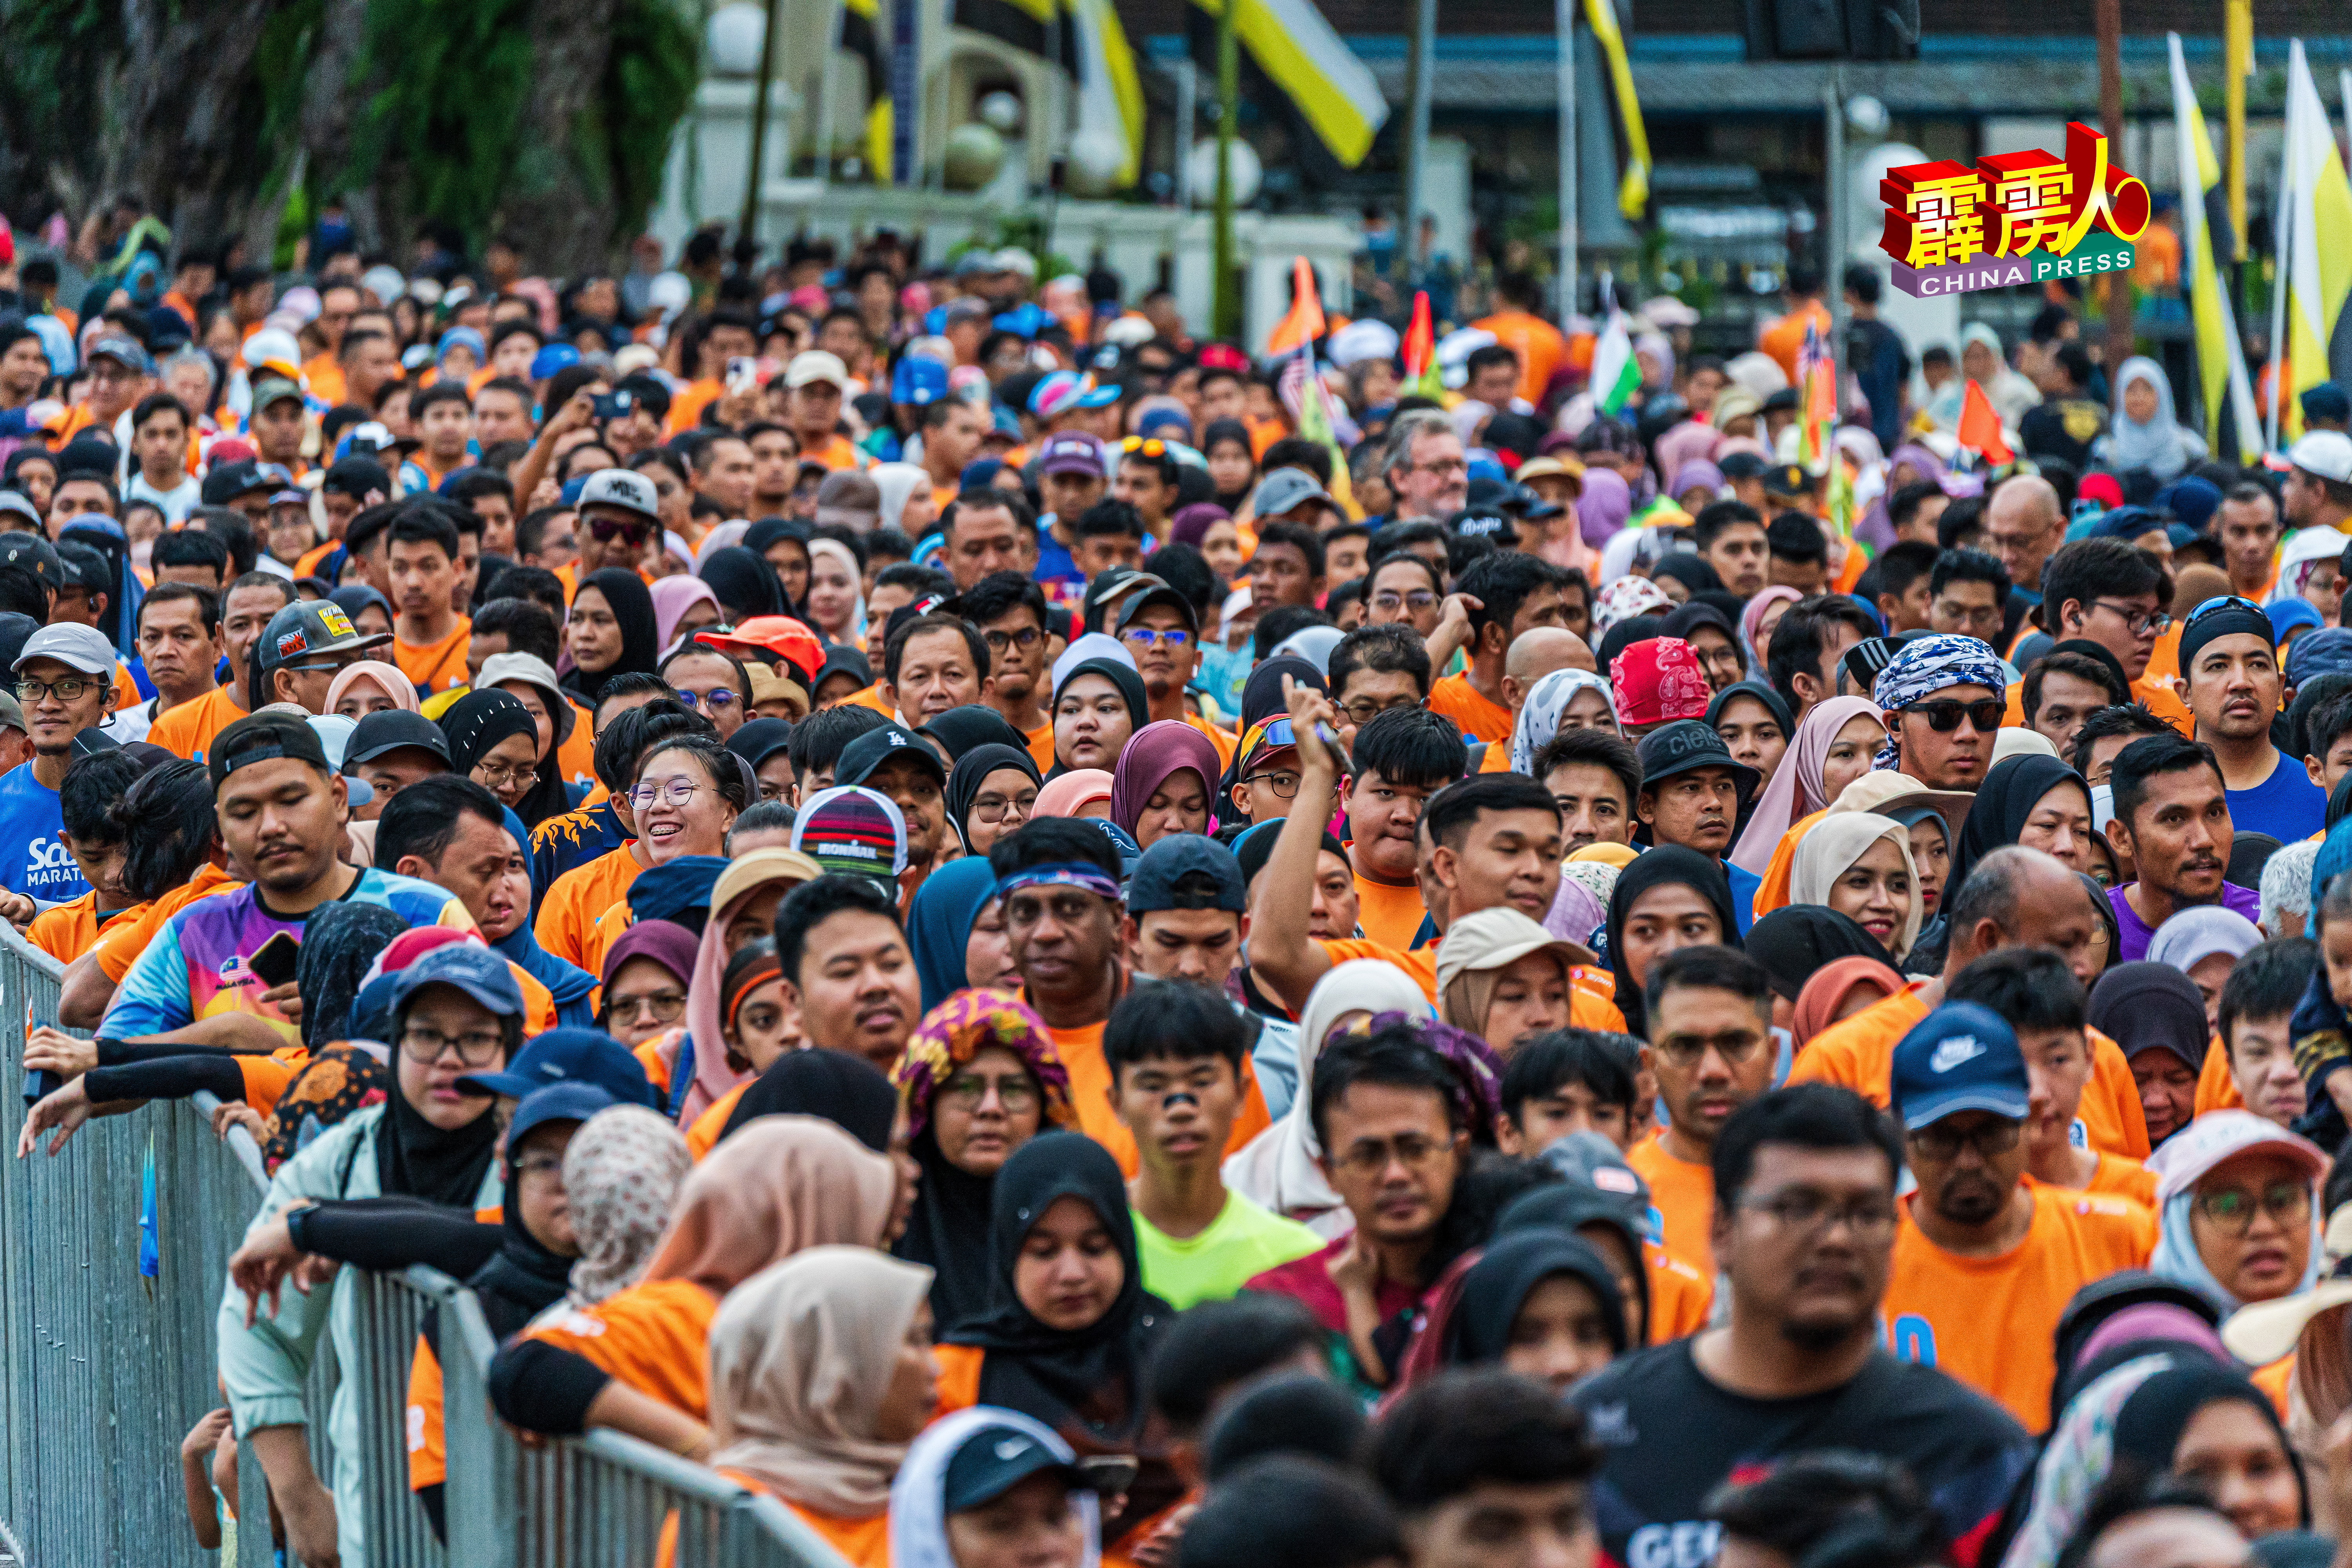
(551, 359)
(476, 970)
(919, 380)
(1962, 1057)
(556, 1102)
(588, 1057)
(1153, 885)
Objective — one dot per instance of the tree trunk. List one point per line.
(342, 80)
(559, 205)
(189, 114)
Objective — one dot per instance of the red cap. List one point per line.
(2100, 487)
(1657, 681)
(779, 634)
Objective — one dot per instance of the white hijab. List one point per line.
(918, 1519)
(897, 481)
(1829, 850)
(1539, 719)
(1278, 1168)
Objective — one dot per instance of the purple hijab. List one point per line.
(1161, 748)
(1603, 507)
(1191, 523)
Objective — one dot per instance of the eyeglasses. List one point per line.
(1372, 1156)
(1944, 717)
(1443, 465)
(996, 807)
(966, 1090)
(540, 1165)
(1809, 1212)
(1389, 604)
(606, 529)
(660, 1006)
(499, 775)
(1689, 1050)
(2231, 1210)
(718, 701)
(475, 1049)
(70, 689)
(2139, 623)
(1145, 636)
(1363, 709)
(676, 792)
(1942, 1141)
(1284, 784)
(1027, 637)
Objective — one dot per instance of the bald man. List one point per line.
(1534, 654)
(2024, 524)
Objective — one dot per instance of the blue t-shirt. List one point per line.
(1743, 884)
(34, 858)
(2287, 806)
(1057, 572)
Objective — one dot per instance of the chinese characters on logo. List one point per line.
(2011, 204)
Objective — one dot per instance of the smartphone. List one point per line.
(275, 960)
(742, 375)
(615, 404)
(39, 1083)
(1109, 1474)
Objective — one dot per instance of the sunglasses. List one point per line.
(606, 529)
(2225, 602)
(1944, 717)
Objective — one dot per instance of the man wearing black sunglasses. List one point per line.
(1942, 698)
(620, 518)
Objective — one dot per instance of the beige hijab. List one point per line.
(778, 1185)
(801, 1356)
(1832, 847)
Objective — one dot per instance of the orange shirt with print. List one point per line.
(120, 944)
(654, 1337)
(1390, 913)
(1090, 1092)
(567, 916)
(439, 666)
(1990, 1322)
(188, 730)
(1681, 1298)
(1682, 1203)
(1470, 709)
(69, 930)
(1860, 1054)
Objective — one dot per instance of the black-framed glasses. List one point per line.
(2139, 623)
(1363, 709)
(996, 807)
(70, 690)
(1372, 1155)
(475, 1047)
(1945, 716)
(1807, 1213)
(1026, 637)
(1282, 781)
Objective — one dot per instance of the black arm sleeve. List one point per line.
(386, 1233)
(174, 1076)
(117, 1053)
(541, 1387)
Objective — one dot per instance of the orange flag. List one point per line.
(1304, 324)
(1979, 427)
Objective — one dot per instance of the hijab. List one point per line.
(2176, 1258)
(569, 986)
(2149, 1007)
(940, 921)
(841, 555)
(1279, 1169)
(341, 1078)
(959, 730)
(947, 1228)
(1691, 570)
(1540, 716)
(971, 769)
(1829, 850)
(1497, 1286)
(1152, 754)
(713, 1077)
(742, 584)
(788, 1183)
(1795, 790)
(2157, 444)
(802, 1357)
(1775, 708)
(1667, 864)
(523, 1277)
(1071, 791)
(1827, 990)
(481, 720)
(621, 1173)
(1696, 473)
(919, 1515)
(386, 678)
(415, 1159)
(848, 1091)
(1604, 506)
(672, 597)
(2079, 1454)
(633, 608)
(1089, 1379)
(340, 944)
(1751, 619)
(897, 481)
(1122, 676)
(2011, 791)
(1800, 941)
(721, 535)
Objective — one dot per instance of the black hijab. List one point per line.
(1564, 1208)
(1130, 688)
(1624, 635)
(1262, 692)
(1235, 431)
(972, 770)
(2150, 1421)
(844, 1089)
(2006, 798)
(415, 1159)
(522, 1278)
(1652, 868)
(961, 729)
(339, 942)
(1794, 942)
(746, 584)
(1762, 692)
(1499, 1283)
(1691, 570)
(633, 608)
(481, 720)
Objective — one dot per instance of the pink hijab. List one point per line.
(1751, 618)
(1073, 791)
(396, 686)
(673, 596)
(1795, 790)
(1688, 442)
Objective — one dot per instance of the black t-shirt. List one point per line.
(2063, 427)
(1668, 1438)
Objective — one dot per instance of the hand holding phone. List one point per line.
(275, 960)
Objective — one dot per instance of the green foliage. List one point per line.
(649, 84)
(459, 75)
(62, 58)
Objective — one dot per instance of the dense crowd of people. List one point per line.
(1056, 943)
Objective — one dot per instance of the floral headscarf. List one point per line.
(958, 1029)
(621, 1171)
(1624, 598)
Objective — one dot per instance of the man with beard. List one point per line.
(1985, 1261)
(1803, 1227)
(2173, 817)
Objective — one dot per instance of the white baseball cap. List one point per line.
(2327, 453)
(814, 366)
(622, 488)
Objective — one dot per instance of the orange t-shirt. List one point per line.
(1225, 742)
(603, 932)
(862, 1543)
(654, 1337)
(685, 409)
(2216, 1090)
(188, 730)
(837, 454)
(1090, 1091)
(1860, 1054)
(325, 375)
(1041, 746)
(2160, 701)
(120, 942)
(1784, 337)
(575, 755)
(1586, 1009)
(649, 1057)
(1682, 1203)
(435, 666)
(1497, 760)
(703, 1136)
(567, 916)
(2118, 1177)
(265, 1077)
(871, 697)
(1537, 343)
(1472, 714)
(1681, 1298)
(67, 931)
(1990, 1322)
(1389, 912)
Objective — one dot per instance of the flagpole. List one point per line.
(1564, 19)
(1835, 236)
(1224, 305)
(748, 228)
(2285, 236)
(1422, 69)
(836, 13)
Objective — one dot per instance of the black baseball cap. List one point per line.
(1153, 884)
(355, 477)
(871, 749)
(389, 730)
(1787, 479)
(992, 1461)
(1688, 743)
(230, 480)
(262, 738)
(31, 553)
(1159, 594)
